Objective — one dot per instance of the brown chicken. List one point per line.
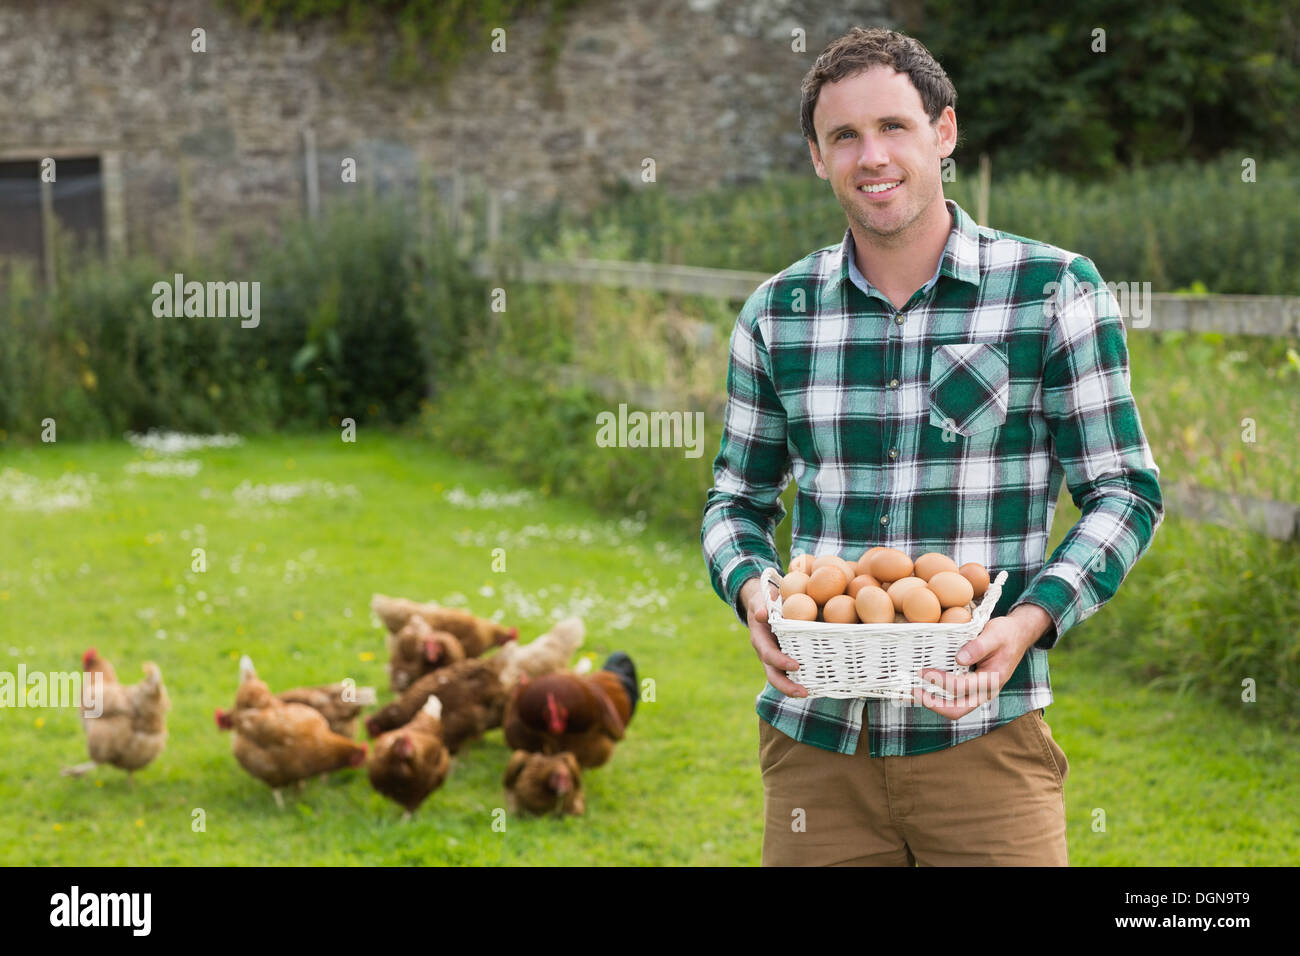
(340, 704)
(280, 743)
(416, 649)
(474, 633)
(411, 762)
(546, 655)
(542, 783)
(473, 701)
(126, 726)
(583, 714)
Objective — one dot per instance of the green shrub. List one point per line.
(1168, 225)
(1205, 611)
(359, 317)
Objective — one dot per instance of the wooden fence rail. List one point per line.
(1262, 315)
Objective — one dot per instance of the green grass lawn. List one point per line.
(298, 533)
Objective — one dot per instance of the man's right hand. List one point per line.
(775, 664)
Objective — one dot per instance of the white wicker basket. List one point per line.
(873, 660)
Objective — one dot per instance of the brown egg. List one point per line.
(977, 576)
(825, 583)
(874, 606)
(901, 587)
(799, 607)
(920, 606)
(862, 562)
(803, 563)
(796, 582)
(888, 565)
(826, 560)
(955, 615)
(840, 610)
(928, 565)
(850, 569)
(952, 589)
(860, 582)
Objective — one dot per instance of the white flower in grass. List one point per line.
(249, 494)
(164, 442)
(183, 468)
(23, 492)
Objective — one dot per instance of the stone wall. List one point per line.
(707, 88)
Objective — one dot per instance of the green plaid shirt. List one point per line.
(945, 426)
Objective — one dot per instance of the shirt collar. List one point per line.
(960, 259)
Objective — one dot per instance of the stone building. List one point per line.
(159, 148)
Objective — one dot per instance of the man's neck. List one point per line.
(900, 268)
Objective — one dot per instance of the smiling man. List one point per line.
(929, 384)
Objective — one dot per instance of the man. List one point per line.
(928, 383)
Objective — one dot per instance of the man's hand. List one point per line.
(765, 646)
(996, 653)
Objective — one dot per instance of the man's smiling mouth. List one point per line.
(880, 189)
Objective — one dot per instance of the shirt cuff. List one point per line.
(1058, 599)
(742, 572)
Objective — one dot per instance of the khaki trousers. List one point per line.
(996, 800)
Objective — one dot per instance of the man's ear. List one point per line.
(943, 129)
(816, 155)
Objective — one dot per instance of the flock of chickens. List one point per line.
(450, 691)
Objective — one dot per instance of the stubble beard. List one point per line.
(895, 238)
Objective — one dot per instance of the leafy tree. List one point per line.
(1178, 79)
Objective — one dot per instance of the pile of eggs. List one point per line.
(884, 586)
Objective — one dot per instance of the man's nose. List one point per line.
(874, 154)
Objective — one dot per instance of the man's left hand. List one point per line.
(995, 654)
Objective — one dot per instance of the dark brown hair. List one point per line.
(859, 50)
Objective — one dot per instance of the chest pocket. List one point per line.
(969, 386)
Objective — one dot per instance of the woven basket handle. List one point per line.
(767, 581)
(984, 610)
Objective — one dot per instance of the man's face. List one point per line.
(872, 129)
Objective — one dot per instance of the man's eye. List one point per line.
(847, 132)
(899, 125)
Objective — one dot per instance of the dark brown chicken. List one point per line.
(411, 762)
(583, 714)
(542, 783)
(473, 701)
(475, 634)
(340, 704)
(418, 649)
(281, 743)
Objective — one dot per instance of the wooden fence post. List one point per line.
(493, 221)
(455, 215)
(982, 196)
(424, 179)
(187, 213)
(110, 165)
(311, 173)
(49, 233)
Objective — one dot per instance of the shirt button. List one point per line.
(893, 383)
(898, 319)
(884, 519)
(893, 453)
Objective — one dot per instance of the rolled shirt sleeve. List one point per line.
(1098, 439)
